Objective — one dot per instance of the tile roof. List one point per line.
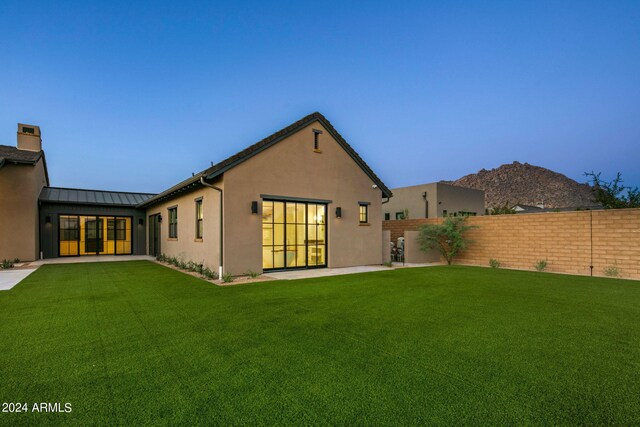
(92, 197)
(219, 168)
(10, 154)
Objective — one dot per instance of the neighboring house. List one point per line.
(300, 198)
(433, 200)
(521, 209)
(23, 173)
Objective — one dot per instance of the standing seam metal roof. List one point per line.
(92, 197)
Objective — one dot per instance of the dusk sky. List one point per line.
(424, 91)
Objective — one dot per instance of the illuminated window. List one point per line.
(364, 213)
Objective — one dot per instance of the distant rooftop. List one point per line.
(10, 154)
(92, 197)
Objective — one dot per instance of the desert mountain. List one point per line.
(522, 183)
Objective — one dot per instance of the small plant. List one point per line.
(541, 265)
(192, 266)
(388, 264)
(16, 260)
(611, 271)
(494, 263)
(161, 258)
(208, 273)
(6, 264)
(252, 274)
(227, 278)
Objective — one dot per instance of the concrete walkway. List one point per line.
(323, 272)
(98, 258)
(10, 278)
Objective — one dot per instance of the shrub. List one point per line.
(16, 260)
(448, 238)
(252, 274)
(388, 264)
(6, 264)
(541, 265)
(611, 271)
(227, 278)
(209, 274)
(494, 263)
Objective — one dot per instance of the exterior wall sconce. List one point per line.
(47, 219)
(338, 212)
(140, 221)
(254, 207)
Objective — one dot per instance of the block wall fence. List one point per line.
(572, 242)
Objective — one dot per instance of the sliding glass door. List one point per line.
(294, 235)
(94, 235)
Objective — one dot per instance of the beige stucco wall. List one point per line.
(440, 196)
(186, 246)
(412, 251)
(291, 168)
(20, 186)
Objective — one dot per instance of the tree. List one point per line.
(613, 195)
(505, 209)
(448, 238)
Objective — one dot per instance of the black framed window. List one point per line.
(111, 229)
(387, 216)
(294, 234)
(173, 223)
(364, 213)
(199, 219)
(85, 235)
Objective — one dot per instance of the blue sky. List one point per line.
(424, 91)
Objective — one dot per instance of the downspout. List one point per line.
(202, 181)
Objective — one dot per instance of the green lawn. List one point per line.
(131, 343)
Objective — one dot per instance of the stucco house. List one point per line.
(300, 198)
(433, 200)
(23, 173)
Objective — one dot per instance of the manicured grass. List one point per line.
(133, 343)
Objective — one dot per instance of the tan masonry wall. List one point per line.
(570, 241)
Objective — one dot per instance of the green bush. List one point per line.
(541, 265)
(448, 238)
(6, 264)
(388, 264)
(611, 271)
(16, 260)
(227, 278)
(494, 263)
(252, 274)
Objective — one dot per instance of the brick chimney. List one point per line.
(29, 137)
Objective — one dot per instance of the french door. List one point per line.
(294, 235)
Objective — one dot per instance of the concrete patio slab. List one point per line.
(10, 278)
(98, 258)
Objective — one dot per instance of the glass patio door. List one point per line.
(294, 235)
